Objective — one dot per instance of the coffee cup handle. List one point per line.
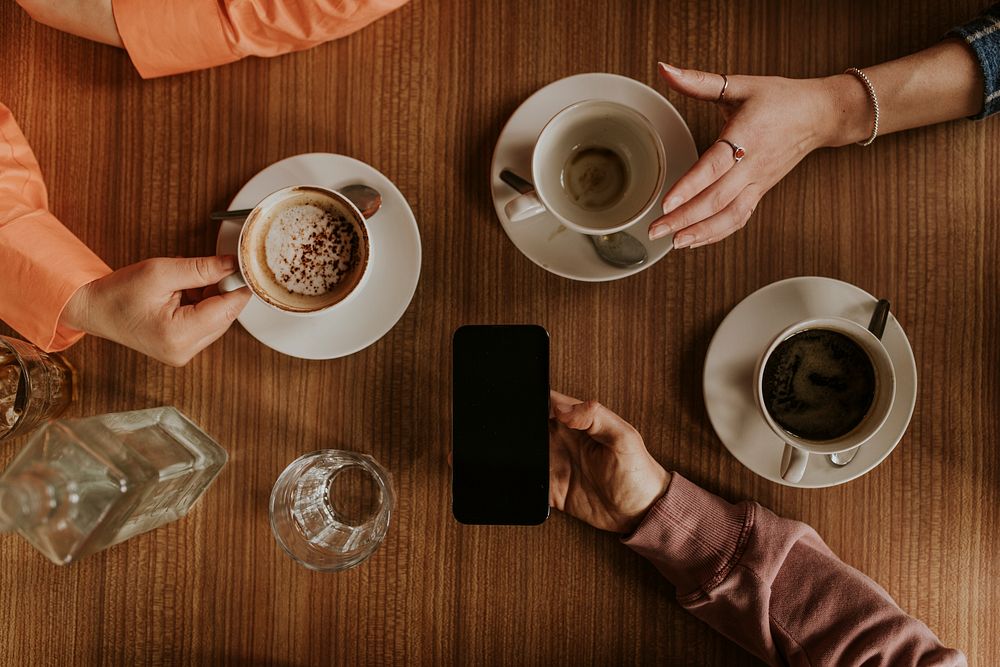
(232, 282)
(523, 207)
(793, 463)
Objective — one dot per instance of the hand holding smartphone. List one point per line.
(500, 436)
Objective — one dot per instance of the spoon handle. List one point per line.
(513, 180)
(229, 215)
(367, 199)
(879, 318)
(877, 327)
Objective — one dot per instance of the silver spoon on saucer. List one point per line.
(620, 249)
(367, 199)
(877, 327)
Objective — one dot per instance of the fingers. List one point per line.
(717, 227)
(560, 402)
(192, 272)
(599, 422)
(708, 201)
(203, 323)
(213, 314)
(694, 83)
(710, 167)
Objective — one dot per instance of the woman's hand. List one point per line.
(165, 308)
(778, 122)
(599, 469)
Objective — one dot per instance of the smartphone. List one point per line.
(500, 431)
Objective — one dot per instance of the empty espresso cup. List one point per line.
(824, 386)
(302, 250)
(597, 166)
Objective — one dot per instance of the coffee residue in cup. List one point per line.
(596, 178)
(310, 249)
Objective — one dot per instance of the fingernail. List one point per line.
(670, 69)
(229, 263)
(658, 232)
(672, 203)
(683, 241)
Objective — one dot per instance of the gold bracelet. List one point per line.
(871, 93)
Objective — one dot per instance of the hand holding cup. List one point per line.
(166, 308)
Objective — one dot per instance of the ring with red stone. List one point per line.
(738, 151)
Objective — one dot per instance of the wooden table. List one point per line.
(135, 166)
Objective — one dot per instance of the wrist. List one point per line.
(659, 489)
(76, 312)
(847, 111)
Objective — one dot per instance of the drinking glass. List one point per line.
(34, 386)
(330, 509)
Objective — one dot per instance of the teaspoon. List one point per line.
(620, 249)
(367, 199)
(877, 327)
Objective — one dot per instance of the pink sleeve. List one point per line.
(42, 264)
(773, 586)
(170, 36)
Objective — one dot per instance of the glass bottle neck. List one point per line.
(25, 500)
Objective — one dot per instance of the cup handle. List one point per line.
(523, 207)
(793, 463)
(232, 282)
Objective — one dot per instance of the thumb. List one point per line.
(209, 318)
(599, 422)
(559, 403)
(191, 272)
(694, 83)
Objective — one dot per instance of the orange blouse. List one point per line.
(42, 264)
(171, 36)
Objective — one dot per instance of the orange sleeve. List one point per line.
(42, 264)
(171, 36)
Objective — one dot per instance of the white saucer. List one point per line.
(743, 336)
(542, 239)
(381, 301)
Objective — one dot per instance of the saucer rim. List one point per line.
(406, 217)
(906, 351)
(612, 273)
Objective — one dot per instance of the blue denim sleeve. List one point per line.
(983, 37)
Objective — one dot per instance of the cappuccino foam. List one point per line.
(310, 249)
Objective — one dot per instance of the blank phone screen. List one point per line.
(500, 448)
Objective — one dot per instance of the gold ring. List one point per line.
(725, 84)
(738, 151)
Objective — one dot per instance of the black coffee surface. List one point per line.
(818, 384)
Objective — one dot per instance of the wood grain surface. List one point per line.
(134, 167)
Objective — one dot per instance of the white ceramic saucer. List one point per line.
(542, 239)
(745, 334)
(382, 299)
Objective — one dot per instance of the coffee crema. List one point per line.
(818, 384)
(310, 248)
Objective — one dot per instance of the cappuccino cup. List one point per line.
(824, 386)
(302, 250)
(598, 167)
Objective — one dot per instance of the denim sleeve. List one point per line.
(983, 37)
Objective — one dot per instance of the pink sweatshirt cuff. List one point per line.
(692, 536)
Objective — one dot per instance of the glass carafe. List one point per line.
(82, 485)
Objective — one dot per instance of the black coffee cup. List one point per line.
(843, 362)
